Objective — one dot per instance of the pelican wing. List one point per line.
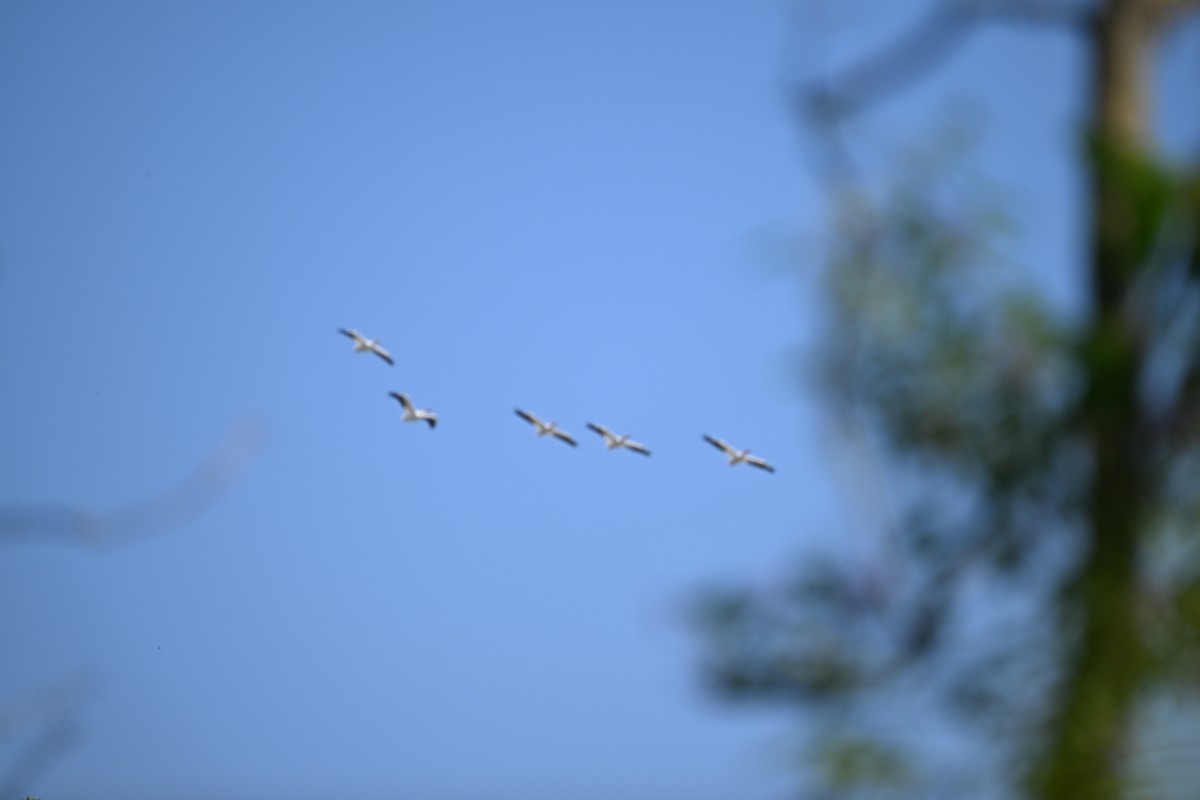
(353, 334)
(431, 419)
(755, 461)
(720, 445)
(530, 418)
(403, 401)
(562, 435)
(603, 431)
(384, 354)
(637, 448)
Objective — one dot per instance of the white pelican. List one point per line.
(738, 456)
(364, 345)
(612, 441)
(415, 414)
(544, 428)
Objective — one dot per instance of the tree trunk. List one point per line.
(1084, 756)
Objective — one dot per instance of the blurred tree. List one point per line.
(1043, 579)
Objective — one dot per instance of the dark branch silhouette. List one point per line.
(104, 531)
(53, 712)
(826, 103)
(934, 38)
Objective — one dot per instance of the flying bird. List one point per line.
(412, 414)
(738, 456)
(364, 345)
(544, 428)
(612, 441)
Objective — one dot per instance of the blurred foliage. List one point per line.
(850, 763)
(991, 414)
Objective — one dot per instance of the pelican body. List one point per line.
(612, 441)
(546, 428)
(738, 456)
(364, 345)
(412, 414)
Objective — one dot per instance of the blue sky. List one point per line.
(589, 210)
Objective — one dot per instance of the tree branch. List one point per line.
(106, 531)
(1162, 11)
(927, 44)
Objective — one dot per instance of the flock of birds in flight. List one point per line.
(611, 440)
